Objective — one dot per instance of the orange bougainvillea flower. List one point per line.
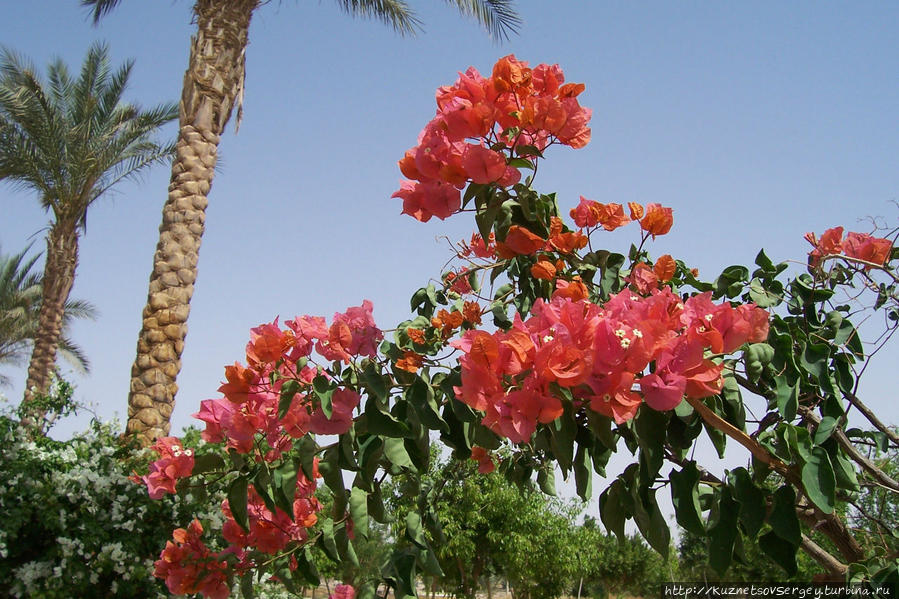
(485, 462)
(447, 322)
(416, 335)
(657, 220)
(544, 270)
(471, 313)
(519, 241)
(410, 361)
(665, 267)
(574, 290)
(867, 247)
(239, 380)
(611, 216)
(510, 74)
(636, 210)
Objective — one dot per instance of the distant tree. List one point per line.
(69, 141)
(20, 304)
(213, 85)
(483, 526)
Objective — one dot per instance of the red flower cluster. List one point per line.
(599, 353)
(515, 107)
(860, 246)
(250, 405)
(188, 566)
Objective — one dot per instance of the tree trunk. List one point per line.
(59, 275)
(212, 84)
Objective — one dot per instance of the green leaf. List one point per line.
(546, 479)
(751, 498)
(374, 381)
(780, 551)
(844, 470)
(288, 391)
(819, 480)
(787, 398)
(306, 569)
(381, 422)
(825, 429)
(395, 450)
(323, 390)
(307, 448)
(326, 540)
(685, 497)
(783, 519)
(285, 485)
(611, 509)
(583, 474)
(724, 533)
(237, 501)
(208, 462)
(815, 359)
(359, 510)
(414, 531)
(766, 294)
(246, 586)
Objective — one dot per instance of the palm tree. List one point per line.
(70, 141)
(20, 305)
(213, 84)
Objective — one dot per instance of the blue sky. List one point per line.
(755, 121)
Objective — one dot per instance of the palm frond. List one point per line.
(99, 8)
(395, 13)
(497, 16)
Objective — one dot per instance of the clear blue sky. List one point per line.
(756, 121)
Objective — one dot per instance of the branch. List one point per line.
(852, 451)
(829, 562)
(890, 433)
(834, 528)
(755, 448)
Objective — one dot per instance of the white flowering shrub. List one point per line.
(73, 524)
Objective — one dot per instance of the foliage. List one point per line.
(589, 350)
(74, 525)
(20, 300)
(486, 526)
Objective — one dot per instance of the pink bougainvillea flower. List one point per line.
(587, 213)
(343, 402)
(175, 462)
(868, 248)
(485, 462)
(829, 244)
(483, 165)
(343, 591)
(422, 200)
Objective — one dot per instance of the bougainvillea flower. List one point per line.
(636, 210)
(174, 462)
(510, 74)
(410, 361)
(657, 220)
(422, 200)
(239, 381)
(611, 216)
(868, 248)
(543, 269)
(829, 244)
(471, 313)
(665, 267)
(267, 343)
(343, 402)
(343, 591)
(519, 241)
(574, 290)
(189, 567)
(483, 165)
(586, 214)
(643, 279)
(663, 393)
(485, 462)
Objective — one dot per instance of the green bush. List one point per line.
(73, 524)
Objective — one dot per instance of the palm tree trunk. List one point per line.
(212, 84)
(59, 275)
